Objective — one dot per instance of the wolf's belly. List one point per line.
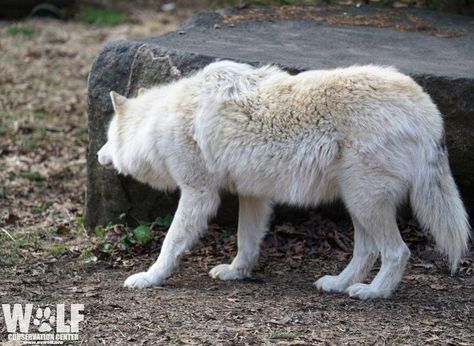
(294, 187)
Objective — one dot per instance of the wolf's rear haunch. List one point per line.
(437, 205)
(367, 134)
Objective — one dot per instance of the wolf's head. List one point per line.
(131, 146)
(107, 155)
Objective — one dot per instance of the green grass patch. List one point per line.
(100, 232)
(43, 115)
(120, 238)
(9, 260)
(224, 235)
(28, 144)
(87, 255)
(22, 115)
(102, 17)
(283, 335)
(57, 250)
(54, 39)
(164, 221)
(399, 340)
(81, 132)
(32, 176)
(20, 30)
(142, 234)
(10, 250)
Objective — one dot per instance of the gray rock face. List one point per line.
(443, 66)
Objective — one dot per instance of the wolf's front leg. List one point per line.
(253, 219)
(189, 222)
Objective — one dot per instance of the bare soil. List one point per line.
(278, 306)
(43, 74)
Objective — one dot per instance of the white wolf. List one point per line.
(366, 134)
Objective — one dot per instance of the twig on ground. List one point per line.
(340, 243)
(7, 233)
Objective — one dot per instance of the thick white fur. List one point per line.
(366, 134)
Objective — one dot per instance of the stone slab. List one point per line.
(439, 55)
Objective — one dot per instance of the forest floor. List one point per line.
(47, 257)
(278, 305)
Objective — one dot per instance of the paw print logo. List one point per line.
(44, 319)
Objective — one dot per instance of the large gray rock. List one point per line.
(440, 58)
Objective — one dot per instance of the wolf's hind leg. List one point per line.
(253, 219)
(189, 222)
(372, 188)
(380, 223)
(363, 259)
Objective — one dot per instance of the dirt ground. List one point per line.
(278, 306)
(43, 73)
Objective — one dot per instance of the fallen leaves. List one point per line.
(43, 135)
(336, 15)
(438, 287)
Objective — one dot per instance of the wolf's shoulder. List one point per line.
(229, 80)
(227, 69)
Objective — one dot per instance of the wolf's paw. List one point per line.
(365, 291)
(330, 283)
(141, 280)
(226, 272)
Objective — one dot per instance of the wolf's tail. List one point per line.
(437, 205)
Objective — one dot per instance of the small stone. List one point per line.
(168, 7)
(399, 4)
(217, 26)
(181, 32)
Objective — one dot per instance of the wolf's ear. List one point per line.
(141, 91)
(119, 102)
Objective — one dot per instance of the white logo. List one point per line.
(50, 323)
